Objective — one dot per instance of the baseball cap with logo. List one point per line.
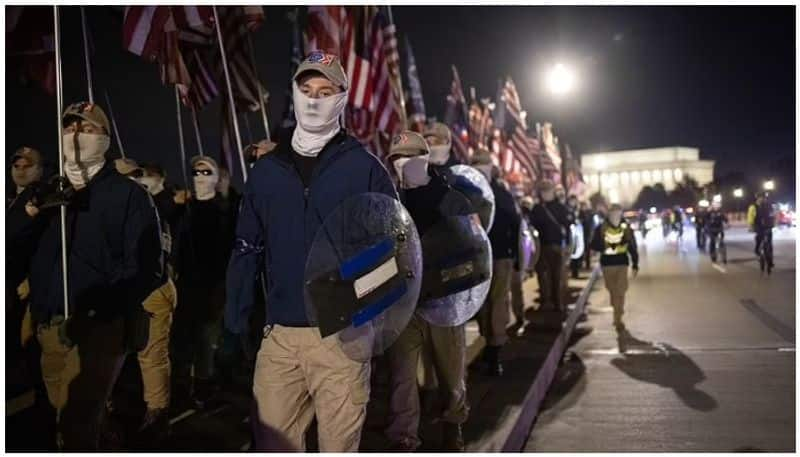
(25, 152)
(88, 112)
(481, 157)
(407, 144)
(328, 64)
(127, 167)
(438, 130)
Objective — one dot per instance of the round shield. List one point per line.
(363, 274)
(526, 246)
(471, 182)
(457, 270)
(578, 243)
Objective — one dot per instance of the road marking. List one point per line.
(182, 416)
(719, 268)
(786, 350)
(656, 349)
(783, 330)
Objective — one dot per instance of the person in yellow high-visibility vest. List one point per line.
(616, 242)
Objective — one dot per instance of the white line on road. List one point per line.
(182, 416)
(719, 268)
(786, 350)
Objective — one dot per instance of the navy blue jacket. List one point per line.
(504, 234)
(114, 246)
(279, 218)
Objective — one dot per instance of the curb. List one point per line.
(529, 409)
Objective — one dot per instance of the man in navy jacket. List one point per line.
(287, 197)
(114, 262)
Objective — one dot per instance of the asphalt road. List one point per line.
(708, 363)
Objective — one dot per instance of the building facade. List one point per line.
(620, 175)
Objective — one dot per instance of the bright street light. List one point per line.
(703, 203)
(769, 185)
(717, 198)
(738, 192)
(560, 79)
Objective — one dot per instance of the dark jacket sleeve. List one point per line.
(597, 239)
(633, 251)
(243, 267)
(143, 259)
(22, 236)
(516, 221)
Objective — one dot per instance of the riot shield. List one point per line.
(457, 270)
(578, 243)
(363, 274)
(476, 188)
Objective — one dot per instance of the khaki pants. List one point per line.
(297, 375)
(448, 346)
(549, 271)
(79, 379)
(616, 279)
(493, 316)
(517, 298)
(154, 358)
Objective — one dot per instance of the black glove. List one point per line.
(231, 345)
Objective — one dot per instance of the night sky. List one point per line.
(718, 78)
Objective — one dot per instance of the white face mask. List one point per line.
(205, 187)
(486, 170)
(440, 153)
(548, 196)
(615, 217)
(83, 164)
(317, 120)
(412, 171)
(153, 184)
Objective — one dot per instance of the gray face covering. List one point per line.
(615, 217)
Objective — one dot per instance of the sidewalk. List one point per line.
(495, 403)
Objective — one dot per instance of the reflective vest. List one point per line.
(614, 239)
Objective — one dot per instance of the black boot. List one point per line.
(154, 429)
(494, 367)
(453, 440)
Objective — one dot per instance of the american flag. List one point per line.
(30, 44)
(364, 39)
(237, 22)
(550, 143)
(573, 178)
(417, 104)
(457, 117)
(297, 54)
(182, 39)
(519, 145)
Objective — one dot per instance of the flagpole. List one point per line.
(114, 125)
(403, 115)
(86, 56)
(180, 137)
(222, 52)
(59, 105)
(261, 102)
(196, 125)
(247, 130)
